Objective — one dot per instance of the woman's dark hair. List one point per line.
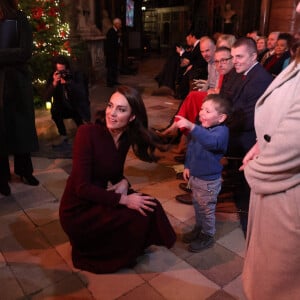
(8, 9)
(286, 37)
(143, 141)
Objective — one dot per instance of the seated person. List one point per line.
(70, 96)
(193, 65)
(225, 40)
(168, 76)
(228, 84)
(262, 48)
(275, 63)
(108, 224)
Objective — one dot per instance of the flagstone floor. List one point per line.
(35, 260)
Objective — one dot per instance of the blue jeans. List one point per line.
(205, 195)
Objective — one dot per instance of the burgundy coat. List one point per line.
(104, 234)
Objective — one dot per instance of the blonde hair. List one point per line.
(229, 39)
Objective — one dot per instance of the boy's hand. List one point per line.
(183, 123)
(186, 174)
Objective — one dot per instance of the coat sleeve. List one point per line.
(277, 167)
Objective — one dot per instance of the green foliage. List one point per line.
(50, 35)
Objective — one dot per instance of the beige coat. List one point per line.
(272, 263)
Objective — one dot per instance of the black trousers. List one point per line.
(22, 166)
(241, 191)
(59, 113)
(112, 72)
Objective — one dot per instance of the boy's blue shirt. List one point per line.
(205, 149)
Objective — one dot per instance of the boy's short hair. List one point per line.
(223, 105)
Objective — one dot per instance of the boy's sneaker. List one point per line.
(203, 241)
(191, 235)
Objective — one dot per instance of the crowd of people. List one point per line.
(240, 101)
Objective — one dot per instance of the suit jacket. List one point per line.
(242, 136)
(199, 70)
(274, 178)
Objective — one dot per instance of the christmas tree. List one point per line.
(50, 35)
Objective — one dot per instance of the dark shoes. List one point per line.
(5, 189)
(202, 242)
(60, 141)
(191, 235)
(185, 198)
(179, 158)
(30, 180)
(185, 187)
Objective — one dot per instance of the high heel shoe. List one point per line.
(5, 189)
(29, 179)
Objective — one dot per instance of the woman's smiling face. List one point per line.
(118, 112)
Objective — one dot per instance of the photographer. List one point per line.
(70, 97)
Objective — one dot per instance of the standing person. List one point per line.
(70, 94)
(242, 134)
(17, 123)
(202, 167)
(272, 168)
(108, 224)
(111, 50)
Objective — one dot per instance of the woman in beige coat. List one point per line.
(272, 169)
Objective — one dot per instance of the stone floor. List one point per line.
(35, 260)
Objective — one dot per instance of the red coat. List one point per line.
(105, 235)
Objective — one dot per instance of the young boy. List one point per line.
(207, 145)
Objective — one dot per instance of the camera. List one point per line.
(65, 74)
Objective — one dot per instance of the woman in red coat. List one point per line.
(108, 224)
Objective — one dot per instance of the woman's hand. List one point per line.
(254, 151)
(121, 187)
(141, 203)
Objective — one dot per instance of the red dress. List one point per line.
(105, 235)
(192, 103)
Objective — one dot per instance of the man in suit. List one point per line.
(242, 133)
(193, 64)
(271, 43)
(111, 51)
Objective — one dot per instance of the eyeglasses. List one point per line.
(222, 61)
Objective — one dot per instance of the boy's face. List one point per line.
(209, 116)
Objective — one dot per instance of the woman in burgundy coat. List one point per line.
(108, 224)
